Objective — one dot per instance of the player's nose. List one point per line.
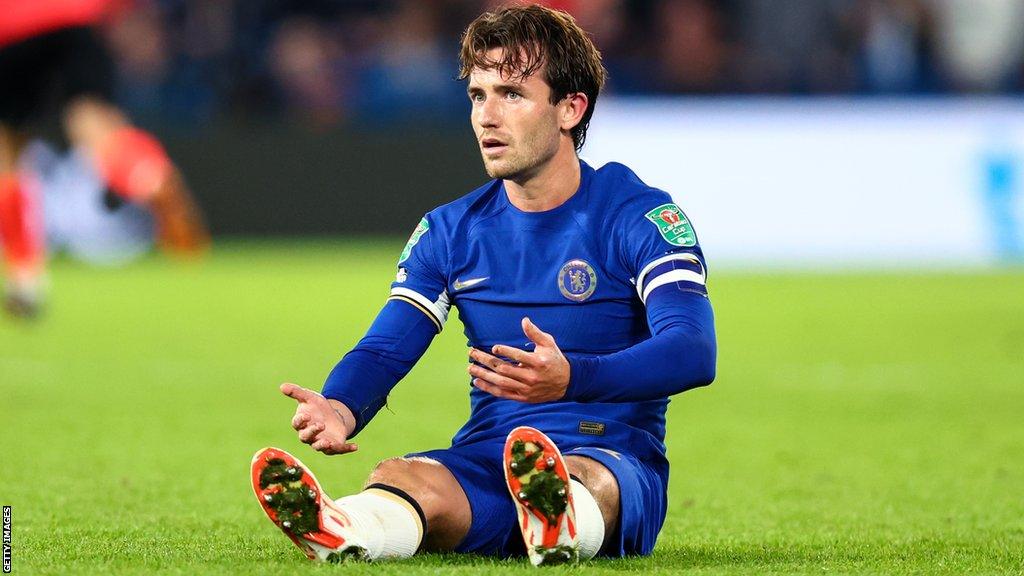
(488, 115)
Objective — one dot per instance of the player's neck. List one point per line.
(550, 187)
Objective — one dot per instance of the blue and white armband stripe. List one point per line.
(436, 310)
(682, 270)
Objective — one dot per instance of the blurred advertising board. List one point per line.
(831, 182)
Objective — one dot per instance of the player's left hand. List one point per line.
(538, 376)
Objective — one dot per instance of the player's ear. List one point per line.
(572, 108)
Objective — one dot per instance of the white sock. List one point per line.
(589, 520)
(388, 524)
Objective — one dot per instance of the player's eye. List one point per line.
(512, 95)
(476, 97)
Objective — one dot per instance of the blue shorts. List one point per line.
(495, 530)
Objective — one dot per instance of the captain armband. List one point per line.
(681, 270)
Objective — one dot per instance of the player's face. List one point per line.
(516, 125)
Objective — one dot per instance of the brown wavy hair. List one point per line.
(534, 37)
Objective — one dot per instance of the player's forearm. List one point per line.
(394, 343)
(361, 382)
(667, 364)
(680, 356)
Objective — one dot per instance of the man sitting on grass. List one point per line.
(610, 269)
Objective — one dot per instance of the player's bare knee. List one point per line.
(430, 484)
(409, 476)
(389, 472)
(601, 483)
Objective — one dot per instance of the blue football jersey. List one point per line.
(581, 272)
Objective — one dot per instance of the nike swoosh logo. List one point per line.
(459, 285)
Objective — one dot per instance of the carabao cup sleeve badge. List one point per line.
(673, 225)
(420, 230)
(577, 280)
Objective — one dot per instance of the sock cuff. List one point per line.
(589, 520)
(393, 493)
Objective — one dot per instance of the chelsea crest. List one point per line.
(577, 280)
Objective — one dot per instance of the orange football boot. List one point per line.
(294, 500)
(538, 480)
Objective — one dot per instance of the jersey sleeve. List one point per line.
(659, 248)
(365, 376)
(422, 279)
(414, 313)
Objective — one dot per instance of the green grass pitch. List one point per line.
(861, 423)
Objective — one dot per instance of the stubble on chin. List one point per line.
(501, 170)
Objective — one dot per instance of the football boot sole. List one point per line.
(294, 501)
(538, 480)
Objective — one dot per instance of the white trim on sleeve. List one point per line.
(439, 308)
(669, 277)
(685, 256)
(642, 290)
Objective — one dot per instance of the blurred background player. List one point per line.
(55, 69)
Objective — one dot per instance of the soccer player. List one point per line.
(53, 65)
(601, 277)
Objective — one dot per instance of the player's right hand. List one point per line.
(323, 424)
